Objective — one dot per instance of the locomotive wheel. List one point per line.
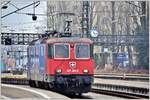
(79, 94)
(40, 84)
(31, 83)
(46, 86)
(51, 85)
(72, 94)
(36, 84)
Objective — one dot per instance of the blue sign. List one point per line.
(2, 66)
(121, 57)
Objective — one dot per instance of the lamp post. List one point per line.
(105, 55)
(19, 51)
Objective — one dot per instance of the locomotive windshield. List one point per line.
(82, 51)
(61, 51)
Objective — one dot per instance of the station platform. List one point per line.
(10, 75)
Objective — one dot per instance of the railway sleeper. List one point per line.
(122, 89)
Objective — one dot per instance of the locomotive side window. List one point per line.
(50, 51)
(82, 51)
(91, 51)
(42, 50)
(29, 54)
(32, 51)
(36, 50)
(61, 50)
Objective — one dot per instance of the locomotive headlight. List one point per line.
(58, 71)
(85, 71)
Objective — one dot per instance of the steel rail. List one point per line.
(120, 74)
(123, 77)
(120, 90)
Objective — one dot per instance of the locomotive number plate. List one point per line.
(72, 70)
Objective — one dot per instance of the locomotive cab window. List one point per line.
(61, 50)
(82, 51)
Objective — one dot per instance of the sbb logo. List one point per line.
(72, 65)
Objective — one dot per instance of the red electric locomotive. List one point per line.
(65, 64)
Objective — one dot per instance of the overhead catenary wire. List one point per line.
(19, 9)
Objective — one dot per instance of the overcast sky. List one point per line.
(21, 22)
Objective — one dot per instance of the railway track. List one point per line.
(131, 77)
(122, 91)
(109, 89)
(120, 74)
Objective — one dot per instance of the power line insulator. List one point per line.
(4, 7)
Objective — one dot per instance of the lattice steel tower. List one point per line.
(85, 19)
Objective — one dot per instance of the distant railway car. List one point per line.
(64, 64)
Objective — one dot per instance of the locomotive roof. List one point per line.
(66, 39)
(61, 40)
